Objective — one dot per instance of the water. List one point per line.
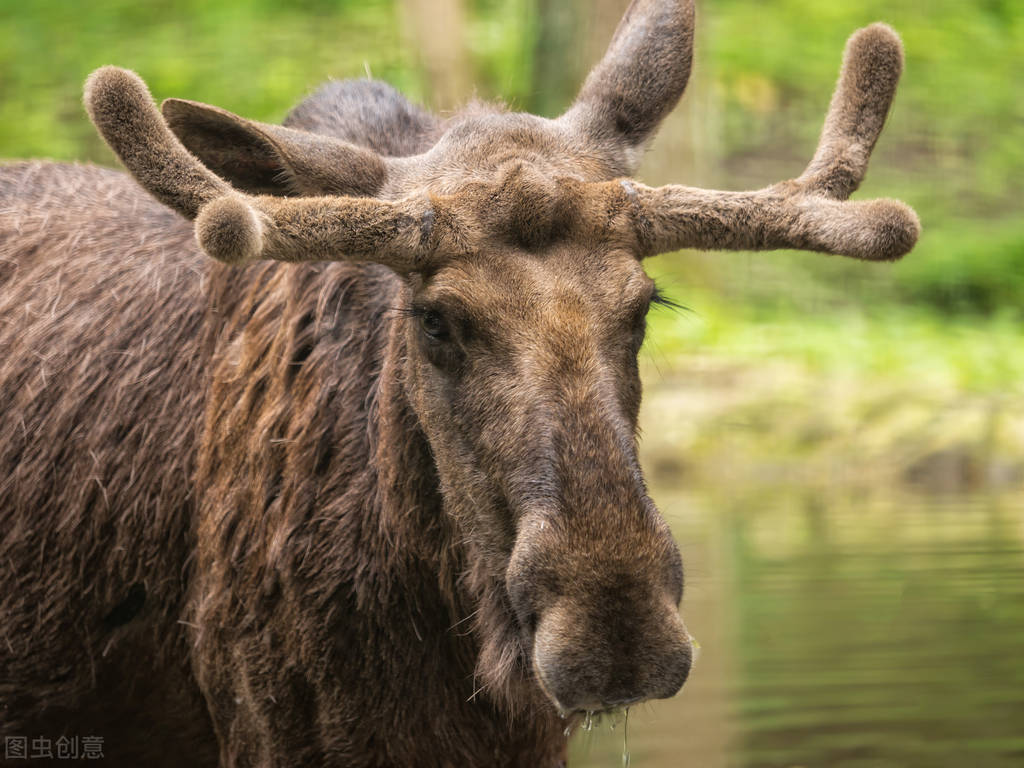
(862, 631)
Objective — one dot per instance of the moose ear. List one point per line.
(270, 159)
(640, 79)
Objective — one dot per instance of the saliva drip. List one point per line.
(694, 648)
(626, 739)
(588, 725)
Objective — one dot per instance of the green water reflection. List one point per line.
(882, 631)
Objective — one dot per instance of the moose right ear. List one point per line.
(259, 158)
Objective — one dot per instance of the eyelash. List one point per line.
(660, 299)
(422, 312)
(409, 311)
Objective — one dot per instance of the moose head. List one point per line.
(519, 242)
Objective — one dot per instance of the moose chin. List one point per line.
(321, 438)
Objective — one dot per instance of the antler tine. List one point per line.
(122, 109)
(638, 81)
(234, 227)
(810, 212)
(872, 65)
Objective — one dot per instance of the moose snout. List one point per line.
(593, 660)
(602, 633)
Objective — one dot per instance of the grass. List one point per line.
(879, 342)
(752, 394)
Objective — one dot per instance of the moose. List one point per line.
(362, 489)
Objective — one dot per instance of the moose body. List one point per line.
(380, 507)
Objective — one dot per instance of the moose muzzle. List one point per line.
(599, 614)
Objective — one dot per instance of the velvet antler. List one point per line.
(627, 94)
(638, 81)
(232, 226)
(810, 212)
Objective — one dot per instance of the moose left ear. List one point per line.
(259, 158)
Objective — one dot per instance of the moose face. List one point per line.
(522, 367)
(520, 247)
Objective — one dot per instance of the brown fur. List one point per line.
(383, 507)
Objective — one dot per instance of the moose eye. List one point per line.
(433, 324)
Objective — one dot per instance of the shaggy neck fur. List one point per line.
(321, 526)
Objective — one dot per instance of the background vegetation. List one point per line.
(954, 146)
(945, 320)
(802, 414)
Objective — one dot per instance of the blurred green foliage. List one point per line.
(954, 148)
(872, 344)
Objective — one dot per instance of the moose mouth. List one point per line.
(586, 711)
(589, 712)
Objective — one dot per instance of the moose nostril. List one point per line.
(528, 623)
(585, 666)
(531, 623)
(674, 674)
